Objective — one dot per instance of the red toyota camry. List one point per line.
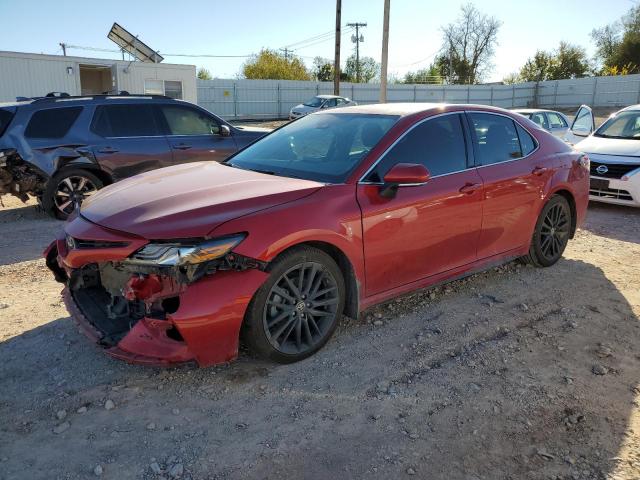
(323, 217)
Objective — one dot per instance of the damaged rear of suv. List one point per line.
(62, 149)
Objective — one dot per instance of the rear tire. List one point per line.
(551, 235)
(66, 188)
(295, 312)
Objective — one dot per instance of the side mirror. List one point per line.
(403, 175)
(225, 131)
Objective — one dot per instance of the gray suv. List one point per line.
(61, 149)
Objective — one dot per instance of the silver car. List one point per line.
(319, 102)
(553, 122)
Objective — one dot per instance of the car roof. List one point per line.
(329, 96)
(406, 109)
(632, 107)
(534, 110)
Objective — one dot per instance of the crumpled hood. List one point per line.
(189, 200)
(609, 146)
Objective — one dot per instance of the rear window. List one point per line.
(131, 120)
(5, 120)
(52, 123)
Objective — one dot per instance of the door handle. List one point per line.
(107, 150)
(540, 170)
(182, 146)
(469, 188)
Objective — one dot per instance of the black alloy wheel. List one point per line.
(551, 234)
(297, 309)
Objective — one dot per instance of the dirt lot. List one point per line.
(517, 373)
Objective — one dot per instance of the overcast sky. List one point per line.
(242, 27)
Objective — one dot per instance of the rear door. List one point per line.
(583, 125)
(195, 135)
(127, 139)
(513, 178)
(425, 229)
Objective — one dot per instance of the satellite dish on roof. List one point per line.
(130, 43)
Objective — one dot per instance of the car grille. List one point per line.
(614, 170)
(611, 193)
(90, 244)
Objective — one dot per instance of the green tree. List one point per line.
(468, 45)
(430, 74)
(369, 69)
(618, 44)
(512, 79)
(322, 69)
(567, 61)
(204, 74)
(271, 65)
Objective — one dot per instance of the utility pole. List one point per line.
(64, 48)
(385, 52)
(286, 52)
(336, 59)
(357, 39)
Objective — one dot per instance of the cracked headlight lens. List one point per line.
(180, 253)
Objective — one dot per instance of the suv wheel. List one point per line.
(67, 189)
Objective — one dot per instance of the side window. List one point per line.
(540, 119)
(527, 143)
(341, 101)
(332, 102)
(437, 143)
(188, 121)
(128, 120)
(52, 123)
(583, 122)
(555, 120)
(496, 138)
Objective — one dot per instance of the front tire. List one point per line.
(551, 234)
(66, 189)
(295, 312)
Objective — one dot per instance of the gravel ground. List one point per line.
(516, 373)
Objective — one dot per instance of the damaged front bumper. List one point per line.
(153, 317)
(19, 178)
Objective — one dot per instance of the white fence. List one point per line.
(242, 99)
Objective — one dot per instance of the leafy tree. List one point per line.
(204, 74)
(369, 69)
(618, 44)
(568, 61)
(512, 79)
(430, 74)
(468, 45)
(322, 69)
(269, 64)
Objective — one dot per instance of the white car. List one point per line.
(614, 151)
(319, 102)
(553, 122)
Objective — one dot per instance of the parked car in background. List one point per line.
(614, 150)
(319, 102)
(554, 122)
(327, 215)
(62, 149)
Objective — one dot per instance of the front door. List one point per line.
(583, 125)
(425, 229)
(195, 135)
(127, 140)
(513, 179)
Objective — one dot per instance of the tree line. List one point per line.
(465, 57)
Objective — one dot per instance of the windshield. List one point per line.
(314, 102)
(320, 147)
(624, 125)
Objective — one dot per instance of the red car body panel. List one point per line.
(449, 227)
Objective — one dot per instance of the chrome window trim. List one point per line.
(406, 132)
(370, 169)
(522, 126)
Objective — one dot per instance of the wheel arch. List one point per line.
(352, 286)
(563, 192)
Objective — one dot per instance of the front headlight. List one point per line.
(181, 253)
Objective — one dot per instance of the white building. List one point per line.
(35, 75)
